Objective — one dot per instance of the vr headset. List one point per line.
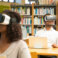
(5, 19)
(50, 17)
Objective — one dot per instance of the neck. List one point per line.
(3, 38)
(48, 27)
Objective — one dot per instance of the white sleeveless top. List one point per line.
(17, 49)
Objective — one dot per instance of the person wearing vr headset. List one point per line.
(11, 43)
(49, 32)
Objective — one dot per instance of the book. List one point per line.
(28, 11)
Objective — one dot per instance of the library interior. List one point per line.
(28, 28)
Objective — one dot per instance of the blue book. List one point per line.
(35, 31)
(27, 21)
(19, 10)
(36, 11)
(30, 21)
(27, 29)
(46, 10)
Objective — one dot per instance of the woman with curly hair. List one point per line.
(11, 43)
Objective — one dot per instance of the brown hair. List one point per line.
(14, 32)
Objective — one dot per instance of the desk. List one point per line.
(48, 52)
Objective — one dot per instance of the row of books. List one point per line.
(48, 2)
(22, 11)
(38, 20)
(43, 11)
(27, 21)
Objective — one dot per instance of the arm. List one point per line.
(24, 51)
(56, 44)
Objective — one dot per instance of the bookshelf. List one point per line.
(34, 19)
(39, 12)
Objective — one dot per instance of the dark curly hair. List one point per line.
(14, 32)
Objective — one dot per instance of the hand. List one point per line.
(54, 46)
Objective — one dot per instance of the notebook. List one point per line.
(38, 42)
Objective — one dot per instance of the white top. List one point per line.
(17, 49)
(52, 36)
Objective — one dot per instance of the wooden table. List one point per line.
(48, 52)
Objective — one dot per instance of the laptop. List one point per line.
(38, 42)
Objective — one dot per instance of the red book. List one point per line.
(22, 20)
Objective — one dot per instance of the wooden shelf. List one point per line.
(39, 15)
(38, 24)
(26, 24)
(14, 6)
(25, 15)
(26, 5)
(45, 6)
